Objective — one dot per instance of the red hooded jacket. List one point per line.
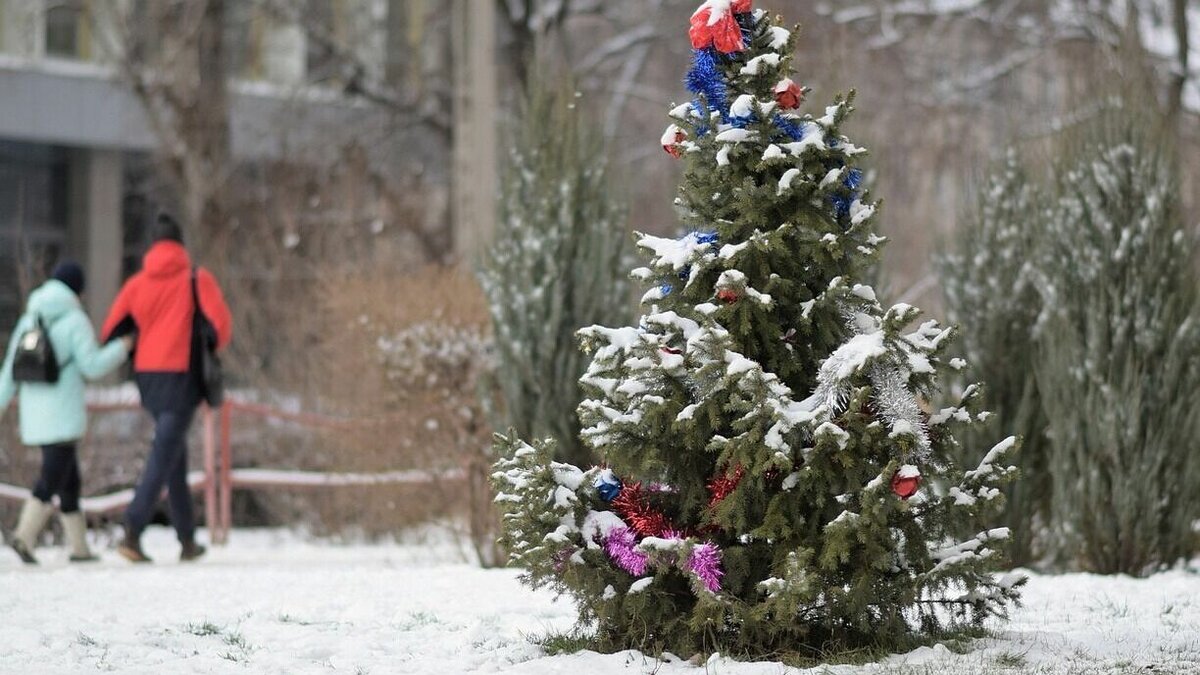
(158, 299)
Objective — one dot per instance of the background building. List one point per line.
(85, 149)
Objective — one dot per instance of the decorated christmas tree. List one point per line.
(774, 475)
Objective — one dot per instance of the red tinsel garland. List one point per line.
(720, 487)
(634, 507)
(635, 510)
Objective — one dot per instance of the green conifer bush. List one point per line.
(1077, 294)
(989, 282)
(555, 266)
(1118, 360)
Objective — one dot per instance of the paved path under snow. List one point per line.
(271, 603)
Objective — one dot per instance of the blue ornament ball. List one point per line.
(608, 485)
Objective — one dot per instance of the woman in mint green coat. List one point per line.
(54, 416)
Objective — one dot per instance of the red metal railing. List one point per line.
(219, 478)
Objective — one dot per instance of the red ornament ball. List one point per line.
(788, 94)
(671, 140)
(728, 295)
(906, 481)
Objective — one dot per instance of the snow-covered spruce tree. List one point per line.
(988, 277)
(1118, 360)
(770, 479)
(555, 267)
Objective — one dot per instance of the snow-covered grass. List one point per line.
(272, 602)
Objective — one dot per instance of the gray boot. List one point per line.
(34, 515)
(75, 529)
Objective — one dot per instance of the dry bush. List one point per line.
(405, 353)
(296, 224)
(18, 465)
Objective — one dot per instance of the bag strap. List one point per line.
(195, 293)
(197, 311)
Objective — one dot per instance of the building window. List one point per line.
(67, 32)
(146, 191)
(326, 33)
(244, 25)
(33, 220)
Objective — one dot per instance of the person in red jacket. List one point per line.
(157, 304)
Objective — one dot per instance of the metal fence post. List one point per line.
(210, 474)
(226, 476)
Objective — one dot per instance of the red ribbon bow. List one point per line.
(714, 23)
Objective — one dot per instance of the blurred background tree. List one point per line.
(556, 264)
(1080, 283)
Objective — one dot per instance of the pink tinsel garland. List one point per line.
(705, 563)
(620, 545)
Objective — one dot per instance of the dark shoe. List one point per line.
(91, 557)
(130, 549)
(25, 554)
(190, 550)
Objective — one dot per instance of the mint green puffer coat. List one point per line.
(57, 413)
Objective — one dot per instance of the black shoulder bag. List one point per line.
(34, 359)
(204, 357)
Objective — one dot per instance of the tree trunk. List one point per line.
(1179, 77)
(204, 127)
(474, 178)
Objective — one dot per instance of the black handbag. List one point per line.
(34, 359)
(205, 361)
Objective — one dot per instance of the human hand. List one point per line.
(128, 341)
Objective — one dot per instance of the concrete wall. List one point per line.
(82, 105)
(94, 226)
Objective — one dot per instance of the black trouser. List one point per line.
(59, 476)
(166, 465)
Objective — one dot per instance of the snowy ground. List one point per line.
(273, 603)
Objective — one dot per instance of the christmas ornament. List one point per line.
(706, 237)
(715, 25)
(841, 205)
(621, 546)
(608, 485)
(788, 94)
(562, 557)
(671, 139)
(906, 481)
(789, 127)
(633, 508)
(728, 295)
(853, 179)
(705, 563)
(704, 79)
